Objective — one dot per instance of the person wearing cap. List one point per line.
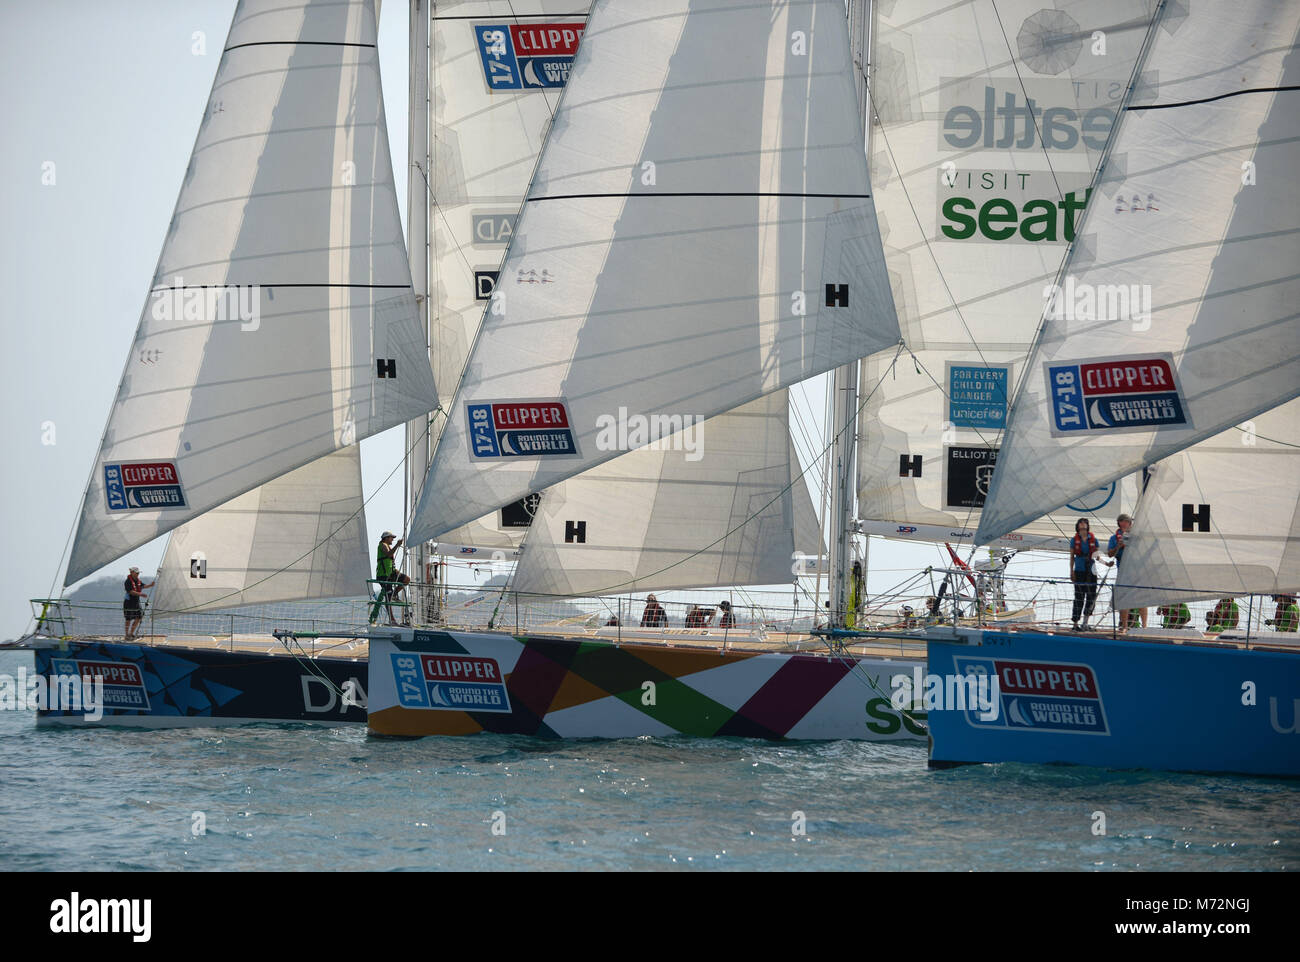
(391, 581)
(728, 620)
(133, 604)
(654, 615)
(1115, 549)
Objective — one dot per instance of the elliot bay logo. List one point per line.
(75, 915)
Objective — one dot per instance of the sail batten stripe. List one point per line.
(296, 43)
(1207, 100)
(698, 193)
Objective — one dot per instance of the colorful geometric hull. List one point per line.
(1124, 704)
(153, 687)
(459, 683)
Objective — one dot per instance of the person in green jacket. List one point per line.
(1175, 616)
(1286, 617)
(1224, 615)
(391, 581)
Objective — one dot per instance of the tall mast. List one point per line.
(417, 229)
(844, 385)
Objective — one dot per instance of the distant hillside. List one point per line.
(107, 588)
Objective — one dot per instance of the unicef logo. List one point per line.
(1094, 501)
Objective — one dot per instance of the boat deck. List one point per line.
(910, 644)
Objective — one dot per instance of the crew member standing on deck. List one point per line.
(1115, 549)
(654, 615)
(133, 604)
(391, 581)
(1083, 546)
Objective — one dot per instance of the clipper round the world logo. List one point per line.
(527, 56)
(142, 485)
(1132, 392)
(520, 429)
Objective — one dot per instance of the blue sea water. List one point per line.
(302, 798)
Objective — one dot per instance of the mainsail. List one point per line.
(282, 325)
(300, 536)
(989, 121)
(698, 234)
(730, 512)
(1221, 518)
(497, 69)
(1176, 317)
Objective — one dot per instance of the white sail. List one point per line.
(282, 325)
(1221, 518)
(1176, 316)
(698, 234)
(497, 68)
(716, 504)
(989, 122)
(301, 536)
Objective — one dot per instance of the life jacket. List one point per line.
(384, 566)
(1077, 551)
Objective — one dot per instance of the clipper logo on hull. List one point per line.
(123, 684)
(449, 682)
(1108, 394)
(1049, 696)
(520, 429)
(143, 486)
(532, 56)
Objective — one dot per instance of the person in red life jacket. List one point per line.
(1083, 547)
(728, 620)
(698, 617)
(654, 615)
(1131, 617)
(133, 604)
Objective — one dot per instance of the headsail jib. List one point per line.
(282, 325)
(1203, 238)
(699, 233)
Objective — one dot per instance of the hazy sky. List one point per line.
(110, 92)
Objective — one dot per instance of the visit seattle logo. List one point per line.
(1112, 394)
(527, 56)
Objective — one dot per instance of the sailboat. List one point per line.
(1201, 388)
(295, 533)
(753, 213)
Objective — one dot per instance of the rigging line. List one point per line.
(545, 99)
(460, 248)
(926, 237)
(1207, 100)
(1285, 444)
(1097, 173)
(1015, 66)
(780, 494)
(992, 444)
(311, 550)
